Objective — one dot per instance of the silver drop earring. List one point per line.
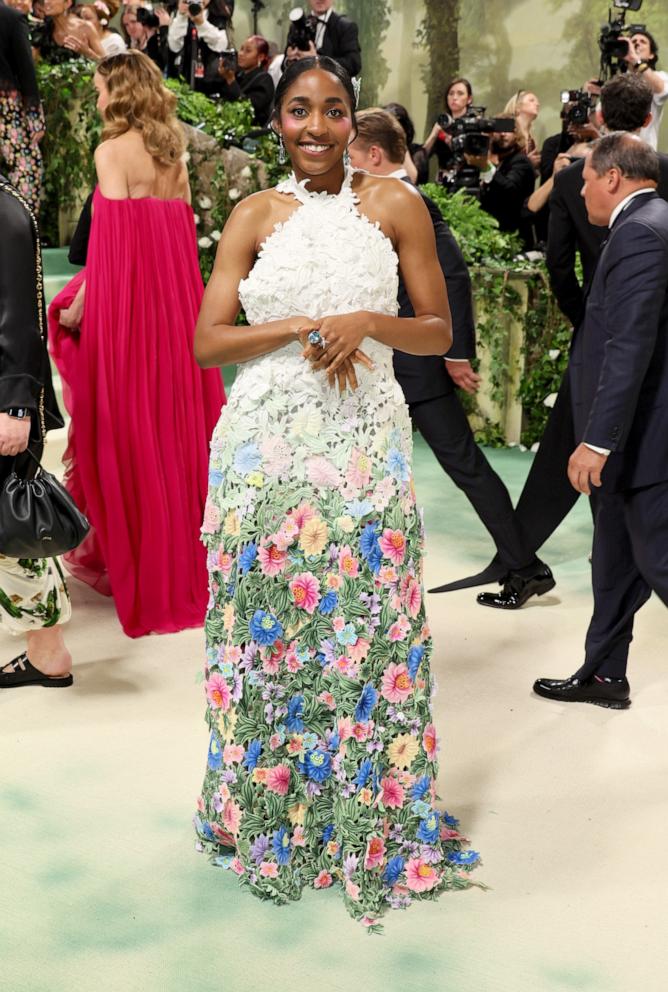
(282, 157)
(346, 160)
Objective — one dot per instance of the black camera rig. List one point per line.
(303, 28)
(577, 106)
(471, 135)
(613, 39)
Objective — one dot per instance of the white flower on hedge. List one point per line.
(215, 235)
(246, 172)
(205, 242)
(554, 354)
(204, 203)
(535, 446)
(550, 400)
(234, 193)
(196, 218)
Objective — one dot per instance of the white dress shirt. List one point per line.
(321, 28)
(650, 134)
(215, 38)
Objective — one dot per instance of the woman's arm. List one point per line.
(218, 341)
(410, 167)
(111, 175)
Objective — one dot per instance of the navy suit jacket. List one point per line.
(619, 356)
(425, 377)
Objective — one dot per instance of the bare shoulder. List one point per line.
(384, 190)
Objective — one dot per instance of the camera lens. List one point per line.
(194, 9)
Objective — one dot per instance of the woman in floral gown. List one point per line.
(322, 756)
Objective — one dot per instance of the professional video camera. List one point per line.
(471, 135)
(614, 47)
(578, 104)
(302, 29)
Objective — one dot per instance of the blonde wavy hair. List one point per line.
(139, 99)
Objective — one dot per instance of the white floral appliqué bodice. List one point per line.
(326, 259)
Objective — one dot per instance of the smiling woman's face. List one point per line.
(316, 122)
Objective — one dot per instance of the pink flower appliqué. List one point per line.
(211, 518)
(305, 591)
(272, 561)
(278, 780)
(400, 628)
(233, 753)
(358, 473)
(323, 880)
(420, 876)
(413, 598)
(393, 545)
(232, 816)
(392, 794)
(218, 693)
(269, 869)
(430, 741)
(396, 685)
(322, 473)
(375, 853)
(348, 564)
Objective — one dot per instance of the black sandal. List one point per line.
(20, 672)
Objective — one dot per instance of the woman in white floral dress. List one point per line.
(322, 756)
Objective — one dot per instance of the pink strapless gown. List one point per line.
(142, 413)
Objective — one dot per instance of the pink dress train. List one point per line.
(142, 413)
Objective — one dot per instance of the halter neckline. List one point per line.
(301, 193)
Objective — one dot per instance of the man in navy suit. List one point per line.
(428, 382)
(618, 373)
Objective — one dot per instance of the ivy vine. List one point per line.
(494, 258)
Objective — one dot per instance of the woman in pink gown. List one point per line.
(142, 412)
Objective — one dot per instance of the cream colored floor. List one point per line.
(100, 888)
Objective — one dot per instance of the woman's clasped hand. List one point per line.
(338, 350)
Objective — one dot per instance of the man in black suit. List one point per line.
(618, 372)
(547, 496)
(429, 382)
(336, 36)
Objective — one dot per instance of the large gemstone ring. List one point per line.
(316, 339)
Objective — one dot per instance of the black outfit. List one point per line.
(548, 497)
(552, 147)
(24, 368)
(256, 86)
(17, 69)
(181, 64)
(504, 197)
(157, 48)
(436, 410)
(341, 43)
(619, 378)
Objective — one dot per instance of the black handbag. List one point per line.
(38, 517)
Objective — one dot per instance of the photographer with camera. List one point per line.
(505, 187)
(196, 37)
(321, 31)
(641, 58)
(244, 76)
(458, 101)
(145, 30)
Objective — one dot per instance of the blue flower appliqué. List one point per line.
(265, 628)
(247, 458)
(282, 846)
(318, 765)
(366, 703)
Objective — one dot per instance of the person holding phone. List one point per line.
(244, 76)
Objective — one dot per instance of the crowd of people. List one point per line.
(359, 328)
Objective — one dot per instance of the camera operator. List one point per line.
(324, 32)
(196, 37)
(505, 187)
(641, 58)
(458, 101)
(244, 76)
(145, 30)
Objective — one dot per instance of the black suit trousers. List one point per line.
(445, 427)
(629, 561)
(548, 497)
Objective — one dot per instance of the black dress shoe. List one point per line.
(615, 694)
(518, 588)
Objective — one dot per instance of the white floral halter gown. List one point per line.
(322, 757)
